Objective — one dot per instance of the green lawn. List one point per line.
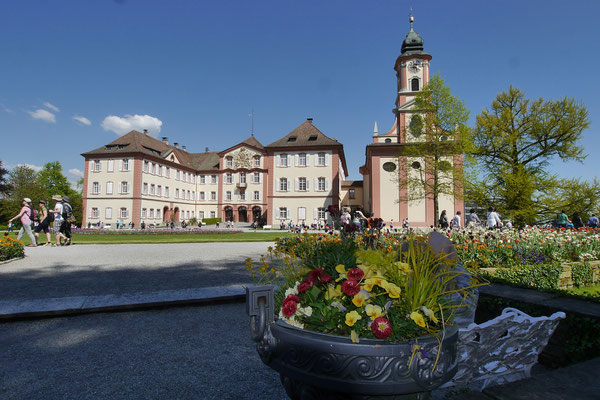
(173, 238)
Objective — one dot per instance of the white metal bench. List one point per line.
(503, 349)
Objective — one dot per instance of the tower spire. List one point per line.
(411, 19)
(251, 115)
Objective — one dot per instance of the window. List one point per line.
(321, 184)
(168, 173)
(242, 195)
(213, 214)
(188, 195)
(229, 161)
(151, 215)
(125, 165)
(213, 195)
(283, 160)
(228, 196)
(124, 187)
(144, 213)
(202, 196)
(321, 213)
(256, 195)
(321, 159)
(301, 213)
(146, 163)
(257, 177)
(178, 175)
(159, 190)
(97, 166)
(108, 212)
(302, 160)
(201, 214)
(292, 139)
(256, 161)
(124, 212)
(302, 184)
(283, 184)
(187, 213)
(416, 165)
(111, 165)
(242, 177)
(145, 188)
(414, 83)
(193, 196)
(166, 191)
(213, 179)
(352, 193)
(152, 189)
(193, 178)
(176, 193)
(312, 138)
(96, 188)
(283, 213)
(202, 179)
(109, 188)
(154, 169)
(229, 178)
(388, 140)
(95, 212)
(158, 213)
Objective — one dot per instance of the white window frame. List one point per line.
(321, 159)
(229, 178)
(111, 166)
(229, 162)
(283, 185)
(214, 179)
(257, 161)
(321, 184)
(202, 179)
(96, 188)
(97, 165)
(108, 213)
(300, 181)
(243, 195)
(283, 213)
(123, 212)
(284, 160)
(109, 187)
(321, 213)
(145, 188)
(124, 187)
(228, 195)
(95, 212)
(256, 195)
(202, 196)
(213, 214)
(300, 161)
(125, 165)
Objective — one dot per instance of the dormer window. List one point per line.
(229, 161)
(414, 84)
(388, 140)
(312, 138)
(292, 139)
(257, 161)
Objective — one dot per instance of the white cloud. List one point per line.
(51, 106)
(44, 115)
(76, 172)
(8, 110)
(122, 125)
(82, 120)
(32, 166)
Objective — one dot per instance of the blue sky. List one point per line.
(195, 69)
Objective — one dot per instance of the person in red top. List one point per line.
(26, 216)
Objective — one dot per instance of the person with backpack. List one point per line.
(443, 221)
(58, 219)
(68, 219)
(593, 221)
(44, 224)
(562, 220)
(26, 215)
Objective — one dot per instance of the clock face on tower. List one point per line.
(415, 65)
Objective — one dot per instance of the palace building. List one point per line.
(138, 178)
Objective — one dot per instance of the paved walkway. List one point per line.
(96, 270)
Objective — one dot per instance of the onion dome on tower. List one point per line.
(413, 42)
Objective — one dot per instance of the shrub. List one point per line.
(210, 221)
(11, 248)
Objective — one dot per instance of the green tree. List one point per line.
(514, 142)
(570, 195)
(22, 182)
(52, 179)
(437, 132)
(3, 176)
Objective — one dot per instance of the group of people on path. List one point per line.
(33, 222)
(562, 221)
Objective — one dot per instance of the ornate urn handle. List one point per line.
(259, 306)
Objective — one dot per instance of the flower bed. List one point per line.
(11, 248)
(154, 231)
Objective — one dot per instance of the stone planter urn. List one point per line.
(320, 366)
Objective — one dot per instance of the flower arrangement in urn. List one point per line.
(335, 286)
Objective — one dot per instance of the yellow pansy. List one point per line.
(341, 270)
(373, 311)
(360, 299)
(354, 336)
(392, 290)
(368, 284)
(352, 317)
(404, 267)
(418, 318)
(333, 292)
(430, 314)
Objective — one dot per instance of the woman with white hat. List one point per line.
(26, 215)
(58, 219)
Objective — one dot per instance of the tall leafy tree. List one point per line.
(3, 177)
(22, 182)
(570, 195)
(438, 131)
(515, 140)
(52, 179)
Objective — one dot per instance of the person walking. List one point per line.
(44, 224)
(26, 217)
(472, 219)
(68, 219)
(455, 223)
(593, 221)
(58, 219)
(493, 219)
(405, 223)
(443, 220)
(577, 221)
(562, 219)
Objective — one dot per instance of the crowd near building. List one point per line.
(138, 178)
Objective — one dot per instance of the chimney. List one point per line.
(206, 149)
(165, 140)
(176, 145)
(309, 120)
(146, 132)
(183, 148)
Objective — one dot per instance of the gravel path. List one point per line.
(177, 353)
(48, 272)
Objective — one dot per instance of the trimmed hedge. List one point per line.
(582, 274)
(210, 221)
(539, 277)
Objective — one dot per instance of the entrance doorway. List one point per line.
(256, 214)
(228, 214)
(243, 214)
(166, 214)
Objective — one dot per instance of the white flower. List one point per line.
(293, 290)
(305, 311)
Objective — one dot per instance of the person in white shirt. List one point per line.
(58, 219)
(493, 219)
(455, 223)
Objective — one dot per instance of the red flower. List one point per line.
(304, 286)
(356, 274)
(316, 274)
(349, 287)
(325, 278)
(289, 308)
(381, 327)
(291, 297)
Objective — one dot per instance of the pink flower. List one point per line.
(381, 327)
(325, 278)
(316, 273)
(304, 286)
(289, 308)
(356, 274)
(291, 297)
